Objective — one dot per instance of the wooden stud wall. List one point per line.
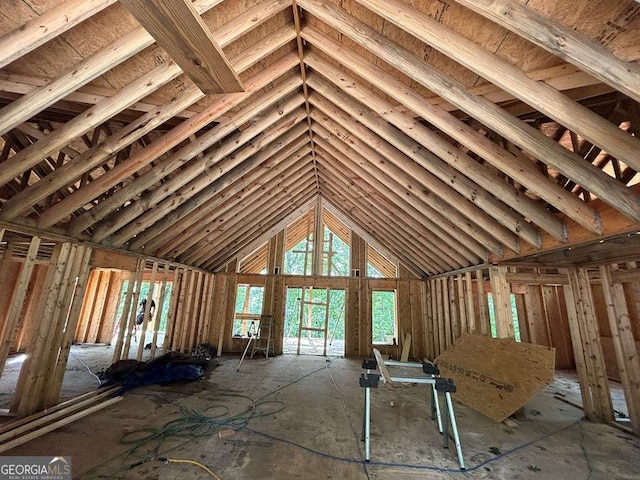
(591, 316)
(54, 325)
(97, 316)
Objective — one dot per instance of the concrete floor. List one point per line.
(310, 428)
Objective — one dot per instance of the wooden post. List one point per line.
(276, 261)
(352, 317)
(229, 311)
(588, 325)
(95, 319)
(76, 292)
(173, 305)
(222, 293)
(147, 310)
(196, 312)
(36, 287)
(117, 351)
(130, 324)
(522, 318)
(55, 364)
(205, 311)
(28, 396)
(88, 307)
(462, 306)
(471, 313)
(427, 317)
(556, 324)
(501, 301)
(108, 316)
(434, 317)
(483, 305)
(454, 313)
(443, 329)
(623, 344)
(535, 316)
(158, 313)
(181, 305)
(318, 239)
(418, 340)
(588, 402)
(17, 300)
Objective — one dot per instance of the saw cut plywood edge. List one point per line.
(496, 376)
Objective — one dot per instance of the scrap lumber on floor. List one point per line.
(25, 429)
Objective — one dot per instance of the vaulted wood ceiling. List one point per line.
(450, 133)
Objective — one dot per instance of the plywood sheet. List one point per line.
(496, 376)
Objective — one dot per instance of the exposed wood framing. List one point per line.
(177, 27)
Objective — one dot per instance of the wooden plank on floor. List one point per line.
(31, 422)
(55, 425)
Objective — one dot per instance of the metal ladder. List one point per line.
(263, 340)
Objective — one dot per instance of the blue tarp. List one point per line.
(170, 367)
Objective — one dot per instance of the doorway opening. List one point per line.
(314, 321)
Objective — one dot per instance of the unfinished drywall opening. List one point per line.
(314, 321)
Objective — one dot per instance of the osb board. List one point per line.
(68, 49)
(496, 376)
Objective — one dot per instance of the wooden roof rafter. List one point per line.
(177, 27)
(428, 101)
(166, 235)
(412, 211)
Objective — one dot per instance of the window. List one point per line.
(384, 325)
(298, 260)
(248, 309)
(335, 255)
(373, 272)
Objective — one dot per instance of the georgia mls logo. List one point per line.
(59, 466)
(35, 468)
